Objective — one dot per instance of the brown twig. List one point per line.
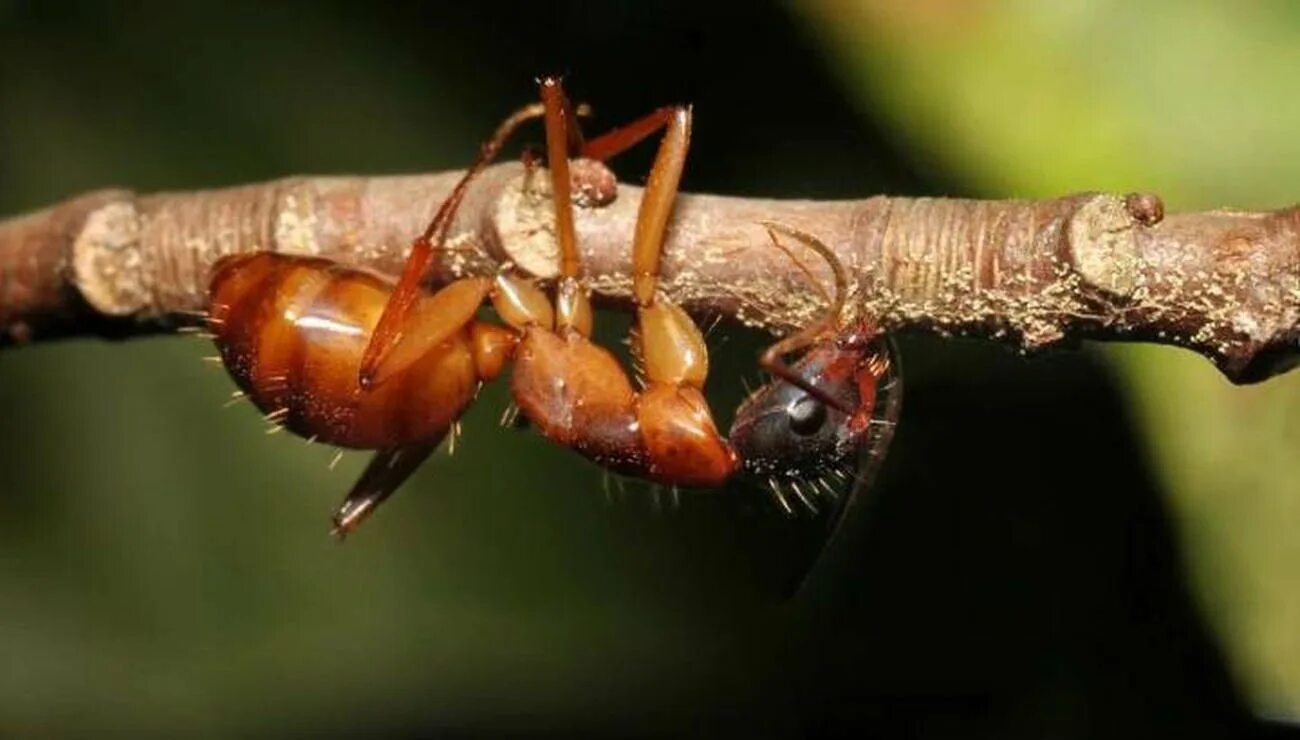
(1028, 273)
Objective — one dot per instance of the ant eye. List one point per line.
(806, 416)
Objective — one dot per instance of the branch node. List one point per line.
(107, 267)
(1103, 244)
(524, 214)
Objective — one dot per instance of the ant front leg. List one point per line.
(574, 391)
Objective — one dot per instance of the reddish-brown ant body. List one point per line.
(343, 356)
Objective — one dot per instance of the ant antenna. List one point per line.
(771, 357)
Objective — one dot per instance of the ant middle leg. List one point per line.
(575, 392)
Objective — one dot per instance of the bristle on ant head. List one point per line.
(778, 495)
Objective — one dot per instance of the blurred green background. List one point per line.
(1086, 544)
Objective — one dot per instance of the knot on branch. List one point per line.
(523, 220)
(1102, 241)
(106, 258)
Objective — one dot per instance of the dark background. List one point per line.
(164, 569)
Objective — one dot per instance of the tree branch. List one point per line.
(1032, 274)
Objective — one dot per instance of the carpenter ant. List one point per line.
(346, 357)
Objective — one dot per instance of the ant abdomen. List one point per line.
(292, 330)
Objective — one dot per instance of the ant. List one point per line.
(344, 356)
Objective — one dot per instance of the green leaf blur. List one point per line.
(1197, 101)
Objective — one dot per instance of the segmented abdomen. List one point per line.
(291, 331)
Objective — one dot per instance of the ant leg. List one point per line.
(572, 303)
(611, 143)
(393, 320)
(573, 306)
(387, 470)
(657, 204)
(576, 393)
(430, 321)
(619, 140)
(676, 425)
(557, 114)
(671, 345)
(573, 136)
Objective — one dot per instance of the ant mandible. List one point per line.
(340, 355)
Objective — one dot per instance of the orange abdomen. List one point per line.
(292, 330)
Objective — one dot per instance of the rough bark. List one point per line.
(1031, 274)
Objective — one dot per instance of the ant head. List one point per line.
(820, 412)
(785, 430)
